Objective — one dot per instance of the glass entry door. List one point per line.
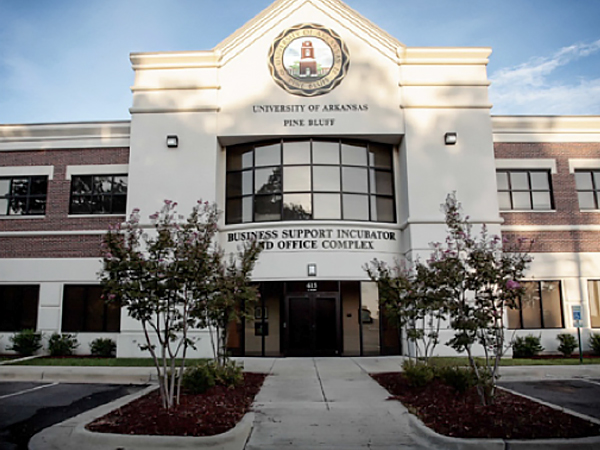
(312, 325)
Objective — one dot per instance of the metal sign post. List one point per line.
(576, 310)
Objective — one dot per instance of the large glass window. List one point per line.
(588, 188)
(23, 196)
(84, 309)
(18, 307)
(310, 180)
(539, 307)
(98, 194)
(594, 296)
(524, 190)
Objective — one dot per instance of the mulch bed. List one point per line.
(447, 412)
(214, 412)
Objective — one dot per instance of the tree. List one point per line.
(165, 277)
(469, 280)
(413, 299)
(481, 279)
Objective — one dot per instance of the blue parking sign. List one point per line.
(576, 309)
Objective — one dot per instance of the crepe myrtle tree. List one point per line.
(481, 280)
(230, 298)
(168, 278)
(413, 300)
(472, 280)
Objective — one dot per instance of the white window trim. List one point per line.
(100, 169)
(31, 171)
(588, 163)
(527, 164)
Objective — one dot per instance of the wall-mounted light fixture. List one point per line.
(450, 138)
(312, 270)
(172, 141)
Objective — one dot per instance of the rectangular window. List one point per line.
(84, 310)
(310, 180)
(524, 190)
(18, 307)
(98, 194)
(588, 188)
(23, 195)
(594, 296)
(539, 307)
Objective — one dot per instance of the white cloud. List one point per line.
(528, 89)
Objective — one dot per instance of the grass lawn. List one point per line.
(96, 362)
(442, 361)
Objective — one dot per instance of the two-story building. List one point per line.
(329, 140)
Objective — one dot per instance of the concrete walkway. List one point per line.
(327, 403)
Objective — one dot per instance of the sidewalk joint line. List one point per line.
(26, 391)
(321, 384)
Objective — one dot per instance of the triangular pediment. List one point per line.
(282, 9)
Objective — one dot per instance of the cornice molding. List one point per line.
(444, 55)
(143, 110)
(68, 135)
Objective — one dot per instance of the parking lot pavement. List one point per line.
(27, 408)
(582, 396)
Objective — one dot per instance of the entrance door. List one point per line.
(312, 325)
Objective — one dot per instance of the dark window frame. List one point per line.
(595, 188)
(10, 196)
(371, 169)
(92, 194)
(542, 325)
(85, 320)
(530, 190)
(21, 320)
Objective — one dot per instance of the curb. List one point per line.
(72, 435)
(553, 406)
(72, 374)
(430, 439)
(8, 362)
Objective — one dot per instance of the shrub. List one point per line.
(460, 378)
(198, 379)
(568, 344)
(229, 374)
(26, 342)
(526, 347)
(595, 343)
(62, 344)
(106, 348)
(417, 373)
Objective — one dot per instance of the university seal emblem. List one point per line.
(308, 60)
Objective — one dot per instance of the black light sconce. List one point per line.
(172, 141)
(312, 270)
(450, 138)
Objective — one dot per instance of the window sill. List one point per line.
(307, 223)
(88, 216)
(527, 211)
(24, 216)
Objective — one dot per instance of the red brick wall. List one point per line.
(51, 246)
(57, 206)
(565, 198)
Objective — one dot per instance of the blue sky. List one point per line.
(68, 60)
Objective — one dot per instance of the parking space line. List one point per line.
(28, 390)
(589, 381)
